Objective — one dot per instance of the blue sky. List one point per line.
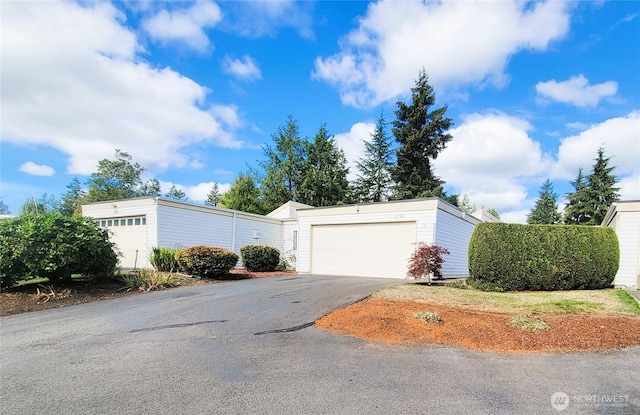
(192, 90)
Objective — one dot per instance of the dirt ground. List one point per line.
(393, 322)
(25, 298)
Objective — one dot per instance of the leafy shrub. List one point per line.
(516, 257)
(426, 260)
(163, 259)
(534, 324)
(144, 280)
(53, 246)
(257, 258)
(428, 317)
(206, 261)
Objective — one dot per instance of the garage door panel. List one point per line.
(371, 250)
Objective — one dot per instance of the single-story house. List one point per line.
(624, 217)
(370, 239)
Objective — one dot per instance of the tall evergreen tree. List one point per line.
(4, 209)
(72, 199)
(465, 204)
(601, 188)
(589, 203)
(545, 211)
(176, 194)
(325, 173)
(244, 196)
(374, 180)
(213, 197)
(421, 133)
(283, 167)
(576, 210)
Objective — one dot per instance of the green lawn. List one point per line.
(548, 302)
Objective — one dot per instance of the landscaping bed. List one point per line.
(34, 297)
(576, 320)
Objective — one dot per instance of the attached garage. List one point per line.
(362, 249)
(624, 217)
(377, 239)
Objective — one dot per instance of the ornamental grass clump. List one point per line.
(428, 317)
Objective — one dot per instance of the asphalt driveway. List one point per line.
(247, 347)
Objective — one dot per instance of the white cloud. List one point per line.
(515, 216)
(196, 193)
(353, 145)
(577, 91)
(458, 42)
(185, 25)
(265, 18)
(492, 159)
(37, 169)
(86, 92)
(620, 138)
(629, 187)
(244, 68)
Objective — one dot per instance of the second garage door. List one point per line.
(366, 250)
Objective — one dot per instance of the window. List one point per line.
(123, 222)
(109, 222)
(144, 221)
(129, 222)
(103, 223)
(116, 222)
(295, 239)
(137, 221)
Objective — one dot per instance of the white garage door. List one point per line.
(130, 236)
(363, 250)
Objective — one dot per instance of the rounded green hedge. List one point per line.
(258, 258)
(206, 261)
(517, 257)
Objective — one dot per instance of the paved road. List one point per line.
(242, 348)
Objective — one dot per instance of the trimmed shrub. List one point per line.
(163, 259)
(426, 260)
(206, 261)
(258, 258)
(53, 246)
(516, 257)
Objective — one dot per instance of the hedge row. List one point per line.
(260, 258)
(543, 257)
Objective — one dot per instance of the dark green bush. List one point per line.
(206, 261)
(53, 246)
(543, 257)
(257, 258)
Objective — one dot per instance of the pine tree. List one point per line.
(374, 181)
(176, 194)
(325, 174)
(545, 211)
(244, 196)
(422, 135)
(4, 209)
(465, 205)
(601, 188)
(72, 199)
(589, 203)
(283, 167)
(213, 197)
(576, 210)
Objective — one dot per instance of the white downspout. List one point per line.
(233, 232)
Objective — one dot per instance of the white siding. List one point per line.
(181, 227)
(627, 227)
(128, 239)
(424, 230)
(454, 233)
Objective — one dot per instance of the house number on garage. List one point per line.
(398, 216)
